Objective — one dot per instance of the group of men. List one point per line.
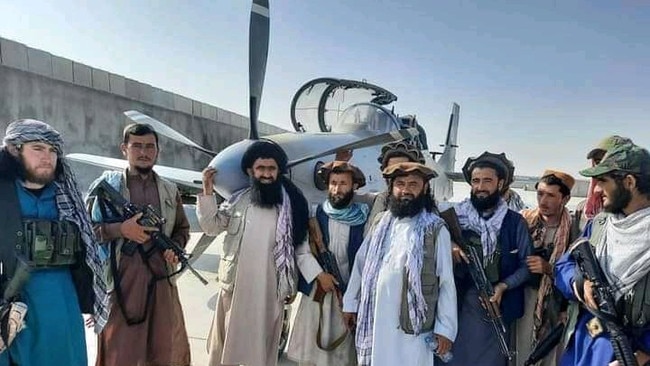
(387, 279)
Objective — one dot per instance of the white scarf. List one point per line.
(470, 219)
(624, 250)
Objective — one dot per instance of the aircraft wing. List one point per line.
(183, 177)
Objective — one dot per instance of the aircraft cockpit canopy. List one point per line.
(339, 105)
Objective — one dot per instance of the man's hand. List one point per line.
(350, 320)
(90, 321)
(208, 180)
(588, 292)
(458, 254)
(537, 264)
(326, 281)
(131, 230)
(499, 289)
(170, 257)
(343, 155)
(444, 344)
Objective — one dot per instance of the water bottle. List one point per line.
(432, 345)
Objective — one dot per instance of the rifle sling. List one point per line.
(337, 342)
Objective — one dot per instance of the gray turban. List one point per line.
(31, 130)
(70, 206)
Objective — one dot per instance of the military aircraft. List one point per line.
(328, 114)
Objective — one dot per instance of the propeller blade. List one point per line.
(165, 130)
(258, 51)
(384, 138)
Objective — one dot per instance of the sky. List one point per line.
(542, 81)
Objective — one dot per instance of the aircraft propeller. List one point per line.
(258, 50)
(166, 131)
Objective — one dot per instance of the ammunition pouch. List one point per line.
(45, 243)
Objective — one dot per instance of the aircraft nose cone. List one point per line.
(229, 177)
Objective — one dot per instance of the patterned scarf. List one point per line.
(423, 223)
(470, 219)
(546, 308)
(594, 203)
(623, 250)
(283, 251)
(70, 206)
(353, 215)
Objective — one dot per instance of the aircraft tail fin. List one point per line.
(447, 160)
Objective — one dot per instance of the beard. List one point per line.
(31, 175)
(618, 200)
(339, 202)
(143, 170)
(266, 195)
(485, 203)
(406, 207)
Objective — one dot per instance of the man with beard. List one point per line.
(39, 200)
(588, 208)
(392, 153)
(503, 243)
(551, 229)
(401, 289)
(146, 324)
(265, 224)
(621, 241)
(319, 335)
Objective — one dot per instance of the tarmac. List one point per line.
(198, 303)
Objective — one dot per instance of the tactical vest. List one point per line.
(429, 281)
(12, 223)
(46, 243)
(227, 272)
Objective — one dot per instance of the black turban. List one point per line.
(264, 149)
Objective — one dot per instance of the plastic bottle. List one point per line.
(432, 345)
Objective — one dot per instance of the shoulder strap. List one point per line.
(598, 228)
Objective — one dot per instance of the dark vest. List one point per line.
(11, 219)
(355, 239)
(512, 302)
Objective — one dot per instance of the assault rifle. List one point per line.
(324, 256)
(483, 285)
(149, 218)
(546, 345)
(327, 261)
(603, 295)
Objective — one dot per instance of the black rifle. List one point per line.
(324, 256)
(149, 218)
(546, 345)
(603, 295)
(483, 285)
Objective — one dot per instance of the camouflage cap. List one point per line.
(627, 157)
(607, 143)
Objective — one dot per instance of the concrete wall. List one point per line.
(86, 105)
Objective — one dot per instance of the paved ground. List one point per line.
(198, 304)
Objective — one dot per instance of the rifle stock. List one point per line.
(546, 345)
